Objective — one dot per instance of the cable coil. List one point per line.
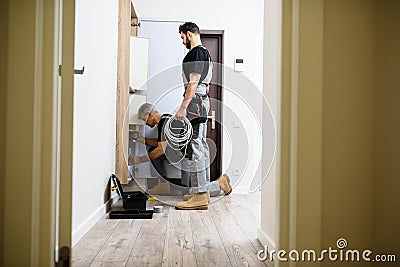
(178, 137)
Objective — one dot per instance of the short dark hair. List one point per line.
(189, 27)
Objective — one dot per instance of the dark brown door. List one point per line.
(213, 42)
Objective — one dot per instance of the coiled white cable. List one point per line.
(178, 137)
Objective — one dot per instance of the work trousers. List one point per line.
(157, 170)
(196, 169)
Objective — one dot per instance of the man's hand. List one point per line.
(136, 134)
(180, 114)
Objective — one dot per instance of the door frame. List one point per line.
(300, 117)
(219, 114)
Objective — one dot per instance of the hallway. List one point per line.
(225, 235)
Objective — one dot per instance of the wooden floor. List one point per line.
(224, 235)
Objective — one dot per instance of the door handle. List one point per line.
(75, 71)
(80, 71)
(212, 117)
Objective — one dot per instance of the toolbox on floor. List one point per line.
(134, 203)
(131, 214)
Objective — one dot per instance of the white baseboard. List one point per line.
(265, 240)
(82, 229)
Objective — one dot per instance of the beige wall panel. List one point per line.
(309, 124)
(386, 150)
(347, 122)
(19, 131)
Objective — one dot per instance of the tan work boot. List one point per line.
(224, 184)
(160, 188)
(196, 202)
(188, 196)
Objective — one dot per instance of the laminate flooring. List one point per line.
(223, 235)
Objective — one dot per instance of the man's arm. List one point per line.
(158, 151)
(151, 141)
(147, 141)
(155, 153)
(189, 93)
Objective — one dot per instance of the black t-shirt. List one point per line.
(160, 126)
(160, 132)
(197, 60)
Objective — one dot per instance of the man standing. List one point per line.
(197, 73)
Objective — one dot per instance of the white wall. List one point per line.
(166, 51)
(96, 39)
(243, 37)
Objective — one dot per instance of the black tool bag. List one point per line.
(196, 112)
